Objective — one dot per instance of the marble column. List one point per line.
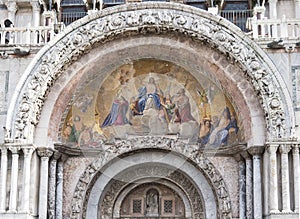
(3, 178)
(273, 178)
(296, 176)
(26, 178)
(12, 9)
(36, 10)
(273, 9)
(52, 185)
(265, 174)
(249, 185)
(286, 204)
(257, 182)
(242, 186)
(45, 154)
(59, 187)
(14, 179)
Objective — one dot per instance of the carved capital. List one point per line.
(3, 151)
(14, 150)
(272, 148)
(45, 152)
(246, 155)
(239, 158)
(28, 151)
(295, 149)
(35, 6)
(11, 6)
(284, 148)
(256, 150)
(56, 155)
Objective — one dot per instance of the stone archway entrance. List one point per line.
(151, 190)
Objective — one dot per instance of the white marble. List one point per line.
(26, 178)
(296, 176)
(273, 188)
(44, 153)
(284, 150)
(59, 190)
(257, 190)
(3, 177)
(14, 180)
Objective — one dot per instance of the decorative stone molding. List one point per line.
(148, 142)
(45, 152)
(150, 18)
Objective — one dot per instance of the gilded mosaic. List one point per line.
(151, 97)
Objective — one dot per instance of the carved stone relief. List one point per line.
(159, 19)
(167, 144)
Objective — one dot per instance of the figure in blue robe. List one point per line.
(117, 115)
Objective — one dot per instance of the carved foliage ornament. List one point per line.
(147, 18)
(168, 144)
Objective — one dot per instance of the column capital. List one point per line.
(11, 6)
(45, 152)
(3, 151)
(272, 148)
(246, 155)
(284, 148)
(14, 149)
(35, 6)
(256, 150)
(295, 149)
(56, 155)
(238, 157)
(28, 151)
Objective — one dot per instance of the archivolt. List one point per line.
(172, 148)
(139, 19)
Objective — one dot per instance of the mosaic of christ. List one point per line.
(151, 97)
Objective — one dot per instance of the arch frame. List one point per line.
(139, 19)
(177, 148)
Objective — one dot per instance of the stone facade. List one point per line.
(43, 176)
